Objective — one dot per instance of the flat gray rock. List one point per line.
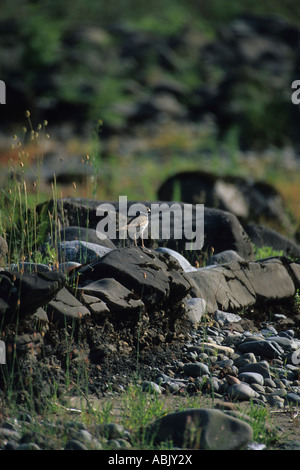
(150, 275)
(223, 230)
(65, 307)
(237, 285)
(116, 297)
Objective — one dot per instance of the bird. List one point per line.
(139, 222)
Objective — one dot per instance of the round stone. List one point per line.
(195, 369)
(241, 392)
(251, 377)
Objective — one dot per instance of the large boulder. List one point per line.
(116, 297)
(152, 277)
(239, 285)
(65, 308)
(203, 429)
(84, 234)
(266, 237)
(251, 201)
(23, 293)
(222, 230)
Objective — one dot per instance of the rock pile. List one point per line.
(188, 324)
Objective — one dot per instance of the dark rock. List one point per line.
(114, 295)
(80, 251)
(74, 444)
(201, 429)
(27, 267)
(263, 348)
(97, 307)
(224, 232)
(147, 274)
(195, 369)
(84, 234)
(112, 431)
(224, 257)
(266, 237)
(29, 342)
(261, 367)
(241, 392)
(222, 229)
(184, 263)
(41, 315)
(238, 285)
(24, 293)
(248, 200)
(65, 307)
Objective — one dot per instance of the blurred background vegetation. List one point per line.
(99, 73)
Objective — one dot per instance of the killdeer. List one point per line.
(140, 223)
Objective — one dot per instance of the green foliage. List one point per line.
(41, 43)
(265, 252)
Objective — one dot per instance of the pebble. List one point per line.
(196, 308)
(241, 392)
(292, 397)
(216, 361)
(195, 369)
(251, 377)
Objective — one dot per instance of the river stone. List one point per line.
(205, 429)
(225, 256)
(285, 343)
(241, 391)
(195, 369)
(292, 398)
(261, 367)
(263, 348)
(251, 378)
(247, 358)
(227, 317)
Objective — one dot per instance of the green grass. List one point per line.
(134, 409)
(172, 149)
